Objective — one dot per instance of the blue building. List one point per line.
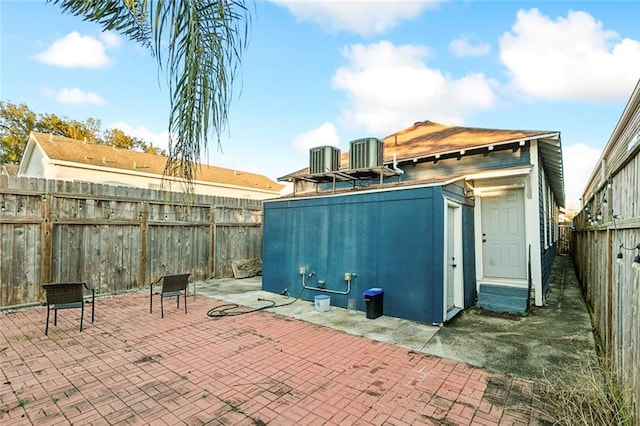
(440, 217)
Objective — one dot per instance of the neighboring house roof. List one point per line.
(426, 139)
(10, 169)
(91, 155)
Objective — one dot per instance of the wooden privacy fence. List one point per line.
(607, 227)
(116, 238)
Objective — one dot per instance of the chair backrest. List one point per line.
(176, 282)
(59, 293)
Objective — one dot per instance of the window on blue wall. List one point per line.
(545, 211)
(550, 217)
(553, 219)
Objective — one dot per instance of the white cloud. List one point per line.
(111, 39)
(76, 51)
(463, 47)
(74, 96)
(325, 134)
(389, 87)
(569, 58)
(160, 140)
(356, 16)
(579, 162)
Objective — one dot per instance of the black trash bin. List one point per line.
(373, 302)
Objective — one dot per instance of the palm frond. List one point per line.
(127, 17)
(205, 42)
(198, 46)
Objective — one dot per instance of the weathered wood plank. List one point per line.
(246, 268)
(116, 238)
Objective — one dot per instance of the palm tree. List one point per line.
(198, 46)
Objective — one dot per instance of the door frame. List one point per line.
(458, 271)
(479, 191)
(499, 273)
(528, 179)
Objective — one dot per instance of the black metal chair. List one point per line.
(67, 296)
(172, 285)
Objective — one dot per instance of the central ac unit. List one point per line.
(366, 153)
(324, 159)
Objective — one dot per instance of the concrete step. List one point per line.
(503, 290)
(502, 299)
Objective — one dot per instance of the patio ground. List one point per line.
(254, 369)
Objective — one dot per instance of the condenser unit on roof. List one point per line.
(324, 159)
(366, 153)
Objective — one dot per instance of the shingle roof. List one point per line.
(426, 138)
(75, 151)
(10, 169)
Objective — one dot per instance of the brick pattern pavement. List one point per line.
(132, 367)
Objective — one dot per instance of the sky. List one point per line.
(327, 72)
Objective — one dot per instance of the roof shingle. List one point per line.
(75, 151)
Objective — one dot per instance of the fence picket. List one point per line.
(116, 238)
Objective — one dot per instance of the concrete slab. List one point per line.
(247, 292)
(551, 340)
(546, 342)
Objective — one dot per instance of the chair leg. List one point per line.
(185, 301)
(55, 316)
(46, 329)
(81, 314)
(151, 299)
(93, 310)
(161, 307)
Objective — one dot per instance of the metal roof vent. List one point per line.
(366, 153)
(324, 159)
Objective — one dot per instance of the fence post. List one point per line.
(144, 228)
(212, 232)
(610, 279)
(47, 227)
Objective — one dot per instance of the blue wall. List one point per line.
(548, 258)
(390, 239)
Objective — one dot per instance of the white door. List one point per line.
(454, 289)
(503, 235)
(450, 257)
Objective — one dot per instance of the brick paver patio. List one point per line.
(134, 367)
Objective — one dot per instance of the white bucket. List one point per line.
(322, 302)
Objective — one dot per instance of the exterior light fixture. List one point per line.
(619, 258)
(636, 260)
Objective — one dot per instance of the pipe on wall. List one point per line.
(348, 278)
